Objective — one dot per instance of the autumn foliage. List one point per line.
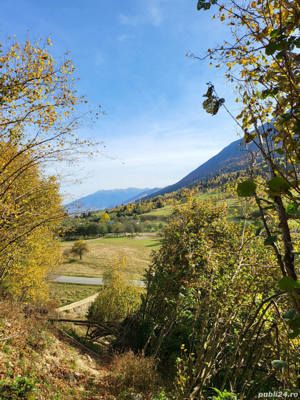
(36, 122)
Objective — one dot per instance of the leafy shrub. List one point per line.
(19, 388)
(79, 248)
(207, 287)
(116, 299)
(160, 396)
(223, 395)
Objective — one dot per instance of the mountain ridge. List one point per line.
(231, 158)
(108, 198)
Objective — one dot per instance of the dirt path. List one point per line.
(77, 304)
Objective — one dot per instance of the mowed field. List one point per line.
(66, 293)
(132, 254)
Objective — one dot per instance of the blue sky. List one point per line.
(130, 57)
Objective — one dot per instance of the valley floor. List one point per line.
(130, 254)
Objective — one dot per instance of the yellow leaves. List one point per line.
(105, 218)
(253, 4)
(29, 212)
(41, 82)
(230, 64)
(26, 279)
(36, 95)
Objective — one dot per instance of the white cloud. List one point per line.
(124, 38)
(99, 59)
(155, 14)
(152, 14)
(130, 20)
(150, 154)
(155, 147)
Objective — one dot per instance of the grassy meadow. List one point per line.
(66, 293)
(130, 253)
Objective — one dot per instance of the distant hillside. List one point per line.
(232, 158)
(103, 199)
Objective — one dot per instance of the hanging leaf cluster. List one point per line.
(205, 5)
(212, 103)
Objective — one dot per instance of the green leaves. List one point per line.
(291, 317)
(205, 5)
(270, 240)
(249, 137)
(223, 395)
(293, 321)
(278, 186)
(292, 208)
(271, 48)
(279, 44)
(212, 103)
(269, 92)
(246, 188)
(279, 364)
(287, 284)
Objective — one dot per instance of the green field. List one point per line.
(234, 204)
(160, 212)
(132, 254)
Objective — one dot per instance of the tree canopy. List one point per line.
(262, 62)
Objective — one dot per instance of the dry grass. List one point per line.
(66, 293)
(133, 252)
(30, 350)
(134, 374)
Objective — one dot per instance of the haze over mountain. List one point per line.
(232, 158)
(103, 199)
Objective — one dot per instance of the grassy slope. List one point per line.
(160, 212)
(42, 355)
(211, 195)
(46, 358)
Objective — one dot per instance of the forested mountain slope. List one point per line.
(232, 158)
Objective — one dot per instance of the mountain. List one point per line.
(103, 199)
(232, 158)
(142, 195)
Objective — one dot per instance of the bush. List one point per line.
(116, 299)
(206, 282)
(134, 374)
(79, 248)
(223, 395)
(19, 388)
